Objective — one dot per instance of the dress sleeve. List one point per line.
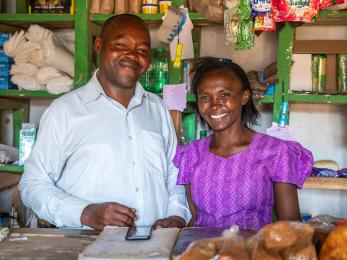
(182, 162)
(294, 164)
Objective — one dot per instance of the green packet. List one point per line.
(244, 10)
(27, 138)
(245, 35)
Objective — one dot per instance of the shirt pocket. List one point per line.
(154, 155)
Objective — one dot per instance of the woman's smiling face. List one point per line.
(220, 98)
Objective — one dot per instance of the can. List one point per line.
(342, 73)
(314, 72)
(322, 72)
(150, 9)
(164, 6)
(318, 70)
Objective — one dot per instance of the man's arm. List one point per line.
(43, 169)
(177, 213)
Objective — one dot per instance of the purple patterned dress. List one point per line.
(239, 189)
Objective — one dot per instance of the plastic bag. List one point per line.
(228, 247)
(334, 246)
(283, 240)
(211, 10)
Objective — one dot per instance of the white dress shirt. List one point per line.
(91, 149)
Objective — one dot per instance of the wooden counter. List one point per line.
(45, 243)
(65, 244)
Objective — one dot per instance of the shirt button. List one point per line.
(133, 163)
(130, 137)
(137, 189)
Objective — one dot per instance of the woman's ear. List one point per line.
(245, 97)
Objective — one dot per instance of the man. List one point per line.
(104, 151)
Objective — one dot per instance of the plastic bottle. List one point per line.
(160, 69)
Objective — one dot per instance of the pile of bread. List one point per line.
(281, 240)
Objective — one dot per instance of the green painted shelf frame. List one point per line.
(284, 63)
(11, 168)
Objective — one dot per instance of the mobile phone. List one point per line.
(139, 233)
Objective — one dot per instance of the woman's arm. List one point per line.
(192, 207)
(286, 201)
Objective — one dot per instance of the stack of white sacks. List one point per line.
(43, 60)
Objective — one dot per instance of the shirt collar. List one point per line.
(93, 90)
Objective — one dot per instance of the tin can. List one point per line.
(314, 72)
(342, 73)
(318, 70)
(322, 71)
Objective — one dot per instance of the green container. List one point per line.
(318, 70)
(342, 73)
(157, 75)
(189, 122)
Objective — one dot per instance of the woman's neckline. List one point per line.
(251, 144)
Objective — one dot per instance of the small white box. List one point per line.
(300, 75)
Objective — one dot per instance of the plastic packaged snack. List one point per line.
(230, 21)
(261, 7)
(231, 246)
(245, 35)
(296, 11)
(283, 240)
(244, 10)
(334, 246)
(264, 23)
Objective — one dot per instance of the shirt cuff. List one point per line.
(73, 211)
(179, 210)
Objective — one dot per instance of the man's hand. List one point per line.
(99, 215)
(173, 221)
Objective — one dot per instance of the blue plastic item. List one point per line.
(4, 68)
(270, 90)
(4, 57)
(5, 83)
(4, 37)
(283, 117)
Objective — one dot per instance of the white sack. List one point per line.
(26, 82)
(60, 85)
(47, 73)
(23, 68)
(54, 55)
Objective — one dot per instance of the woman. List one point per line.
(236, 175)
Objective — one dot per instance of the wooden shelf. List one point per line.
(319, 46)
(11, 168)
(101, 18)
(326, 183)
(26, 93)
(327, 17)
(45, 20)
(318, 98)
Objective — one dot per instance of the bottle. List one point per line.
(160, 70)
(283, 117)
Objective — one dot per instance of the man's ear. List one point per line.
(245, 97)
(98, 45)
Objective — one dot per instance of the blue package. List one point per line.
(5, 83)
(305, 217)
(3, 38)
(270, 90)
(4, 57)
(261, 7)
(5, 68)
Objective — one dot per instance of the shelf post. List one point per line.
(284, 64)
(83, 43)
